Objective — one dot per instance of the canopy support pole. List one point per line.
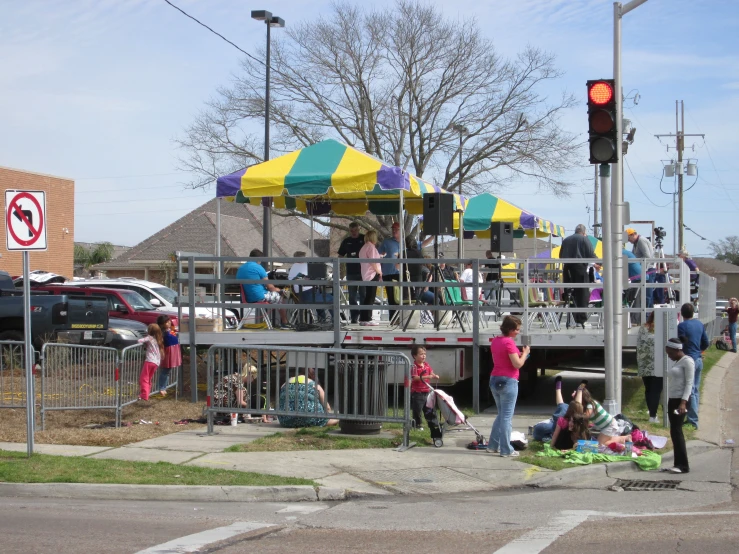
(460, 242)
(218, 256)
(312, 249)
(401, 254)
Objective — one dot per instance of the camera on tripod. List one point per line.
(659, 235)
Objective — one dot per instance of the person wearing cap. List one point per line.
(642, 248)
(577, 246)
(390, 249)
(679, 389)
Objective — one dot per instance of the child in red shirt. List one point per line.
(420, 373)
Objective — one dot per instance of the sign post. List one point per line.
(25, 230)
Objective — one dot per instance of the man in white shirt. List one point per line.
(467, 277)
(306, 294)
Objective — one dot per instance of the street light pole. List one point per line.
(270, 21)
(614, 271)
(462, 130)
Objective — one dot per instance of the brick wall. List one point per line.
(59, 257)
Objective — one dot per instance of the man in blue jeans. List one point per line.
(696, 341)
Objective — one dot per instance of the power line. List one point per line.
(125, 189)
(183, 12)
(164, 198)
(641, 189)
(710, 157)
(127, 176)
(696, 234)
(96, 214)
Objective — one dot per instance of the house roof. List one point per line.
(241, 231)
(712, 266)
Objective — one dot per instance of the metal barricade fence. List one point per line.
(75, 377)
(309, 385)
(174, 378)
(132, 360)
(12, 375)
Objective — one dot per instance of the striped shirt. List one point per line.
(599, 418)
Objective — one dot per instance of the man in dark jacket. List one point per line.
(350, 248)
(695, 341)
(577, 246)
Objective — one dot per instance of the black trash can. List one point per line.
(353, 400)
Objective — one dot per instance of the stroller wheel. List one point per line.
(438, 443)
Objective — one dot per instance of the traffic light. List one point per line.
(602, 118)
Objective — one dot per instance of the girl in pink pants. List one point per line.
(154, 348)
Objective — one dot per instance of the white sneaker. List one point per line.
(653, 420)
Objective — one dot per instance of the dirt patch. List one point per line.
(68, 427)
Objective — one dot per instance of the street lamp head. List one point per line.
(261, 15)
(276, 22)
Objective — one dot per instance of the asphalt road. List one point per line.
(517, 522)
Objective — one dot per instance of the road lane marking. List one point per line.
(540, 538)
(194, 543)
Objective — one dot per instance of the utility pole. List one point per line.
(679, 146)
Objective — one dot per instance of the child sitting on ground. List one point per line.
(565, 418)
(606, 425)
(420, 373)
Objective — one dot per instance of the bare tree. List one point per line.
(396, 83)
(726, 249)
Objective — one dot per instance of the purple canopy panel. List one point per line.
(528, 221)
(393, 178)
(230, 184)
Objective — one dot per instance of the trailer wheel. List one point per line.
(438, 443)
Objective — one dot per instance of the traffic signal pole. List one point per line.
(615, 237)
(612, 372)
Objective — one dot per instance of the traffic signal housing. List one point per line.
(602, 118)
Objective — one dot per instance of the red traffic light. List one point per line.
(600, 93)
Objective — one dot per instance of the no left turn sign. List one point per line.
(25, 220)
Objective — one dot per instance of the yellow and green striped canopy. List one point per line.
(484, 209)
(329, 177)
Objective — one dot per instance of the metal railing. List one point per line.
(532, 288)
(75, 377)
(12, 375)
(308, 386)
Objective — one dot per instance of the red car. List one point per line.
(123, 304)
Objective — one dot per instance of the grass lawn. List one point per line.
(15, 467)
(314, 438)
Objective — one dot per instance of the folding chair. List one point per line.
(246, 312)
(547, 318)
(453, 297)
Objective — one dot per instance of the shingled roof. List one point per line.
(241, 231)
(714, 267)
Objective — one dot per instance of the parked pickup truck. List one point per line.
(123, 304)
(70, 317)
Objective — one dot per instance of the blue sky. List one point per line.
(97, 90)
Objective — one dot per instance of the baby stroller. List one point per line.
(450, 414)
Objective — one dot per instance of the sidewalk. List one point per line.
(450, 469)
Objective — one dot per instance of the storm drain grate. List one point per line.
(636, 485)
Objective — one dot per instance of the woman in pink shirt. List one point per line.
(370, 272)
(507, 360)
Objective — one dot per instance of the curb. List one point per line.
(582, 477)
(195, 493)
